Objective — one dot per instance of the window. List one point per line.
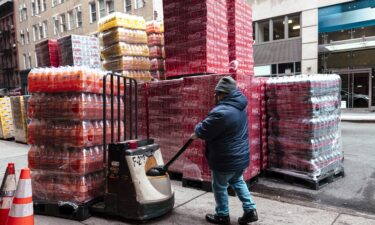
(101, 9)
(20, 12)
(278, 28)
(24, 10)
(27, 36)
(35, 33)
(36, 59)
(41, 34)
(286, 68)
(70, 20)
(127, 6)
(78, 16)
(38, 6)
(92, 12)
(139, 4)
(264, 31)
(45, 29)
(294, 26)
(290, 68)
(33, 8)
(110, 6)
(29, 60)
(55, 22)
(22, 35)
(25, 61)
(62, 23)
(54, 3)
(44, 5)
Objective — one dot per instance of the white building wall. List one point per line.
(309, 23)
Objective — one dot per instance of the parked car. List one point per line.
(359, 100)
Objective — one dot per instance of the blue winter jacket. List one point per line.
(225, 131)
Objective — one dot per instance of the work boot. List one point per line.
(248, 217)
(215, 219)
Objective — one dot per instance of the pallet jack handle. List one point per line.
(162, 170)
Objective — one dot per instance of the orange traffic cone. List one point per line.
(22, 212)
(7, 190)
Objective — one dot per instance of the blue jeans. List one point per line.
(220, 183)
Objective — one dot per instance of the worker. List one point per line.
(225, 131)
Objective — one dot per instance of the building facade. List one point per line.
(318, 36)
(8, 46)
(40, 20)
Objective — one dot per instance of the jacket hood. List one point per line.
(235, 99)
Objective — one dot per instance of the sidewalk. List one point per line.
(357, 115)
(192, 205)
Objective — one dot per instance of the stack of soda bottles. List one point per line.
(19, 113)
(79, 50)
(196, 37)
(240, 36)
(66, 134)
(47, 53)
(155, 34)
(6, 119)
(304, 125)
(165, 118)
(124, 45)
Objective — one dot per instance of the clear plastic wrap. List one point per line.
(70, 106)
(118, 19)
(78, 50)
(153, 27)
(304, 136)
(19, 113)
(124, 49)
(65, 79)
(156, 52)
(196, 37)
(66, 188)
(120, 34)
(66, 160)
(159, 74)
(127, 63)
(75, 134)
(157, 64)
(47, 53)
(6, 119)
(140, 75)
(156, 39)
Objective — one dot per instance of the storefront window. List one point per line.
(298, 67)
(294, 26)
(364, 32)
(263, 31)
(278, 28)
(339, 60)
(338, 35)
(363, 59)
(286, 68)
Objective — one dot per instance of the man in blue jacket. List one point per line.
(225, 131)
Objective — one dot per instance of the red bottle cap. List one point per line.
(133, 144)
(10, 168)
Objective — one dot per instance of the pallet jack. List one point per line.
(138, 186)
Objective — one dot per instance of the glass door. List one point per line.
(356, 88)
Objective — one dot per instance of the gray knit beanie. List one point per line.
(226, 85)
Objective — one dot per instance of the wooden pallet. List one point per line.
(7, 139)
(304, 181)
(65, 210)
